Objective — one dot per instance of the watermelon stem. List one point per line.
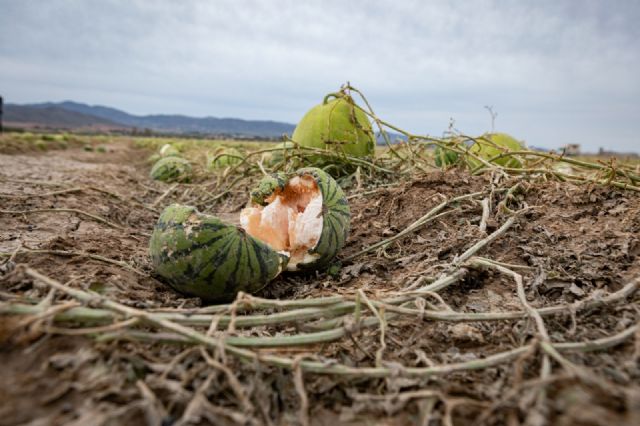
(335, 95)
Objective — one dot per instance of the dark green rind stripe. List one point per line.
(330, 199)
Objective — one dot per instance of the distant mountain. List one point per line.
(53, 117)
(73, 114)
(107, 113)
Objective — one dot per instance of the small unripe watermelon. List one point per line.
(224, 158)
(297, 222)
(199, 255)
(500, 143)
(169, 150)
(445, 157)
(170, 169)
(336, 125)
(277, 155)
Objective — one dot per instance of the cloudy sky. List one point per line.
(556, 71)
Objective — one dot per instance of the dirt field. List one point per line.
(83, 218)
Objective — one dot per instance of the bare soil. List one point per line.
(579, 242)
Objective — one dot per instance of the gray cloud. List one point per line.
(556, 71)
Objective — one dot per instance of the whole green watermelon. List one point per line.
(278, 153)
(491, 145)
(168, 150)
(225, 158)
(336, 125)
(171, 169)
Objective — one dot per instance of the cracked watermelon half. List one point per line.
(294, 222)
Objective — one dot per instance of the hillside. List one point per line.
(54, 117)
(77, 115)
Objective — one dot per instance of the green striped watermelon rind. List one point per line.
(336, 219)
(170, 169)
(199, 255)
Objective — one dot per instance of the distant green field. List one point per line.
(14, 142)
